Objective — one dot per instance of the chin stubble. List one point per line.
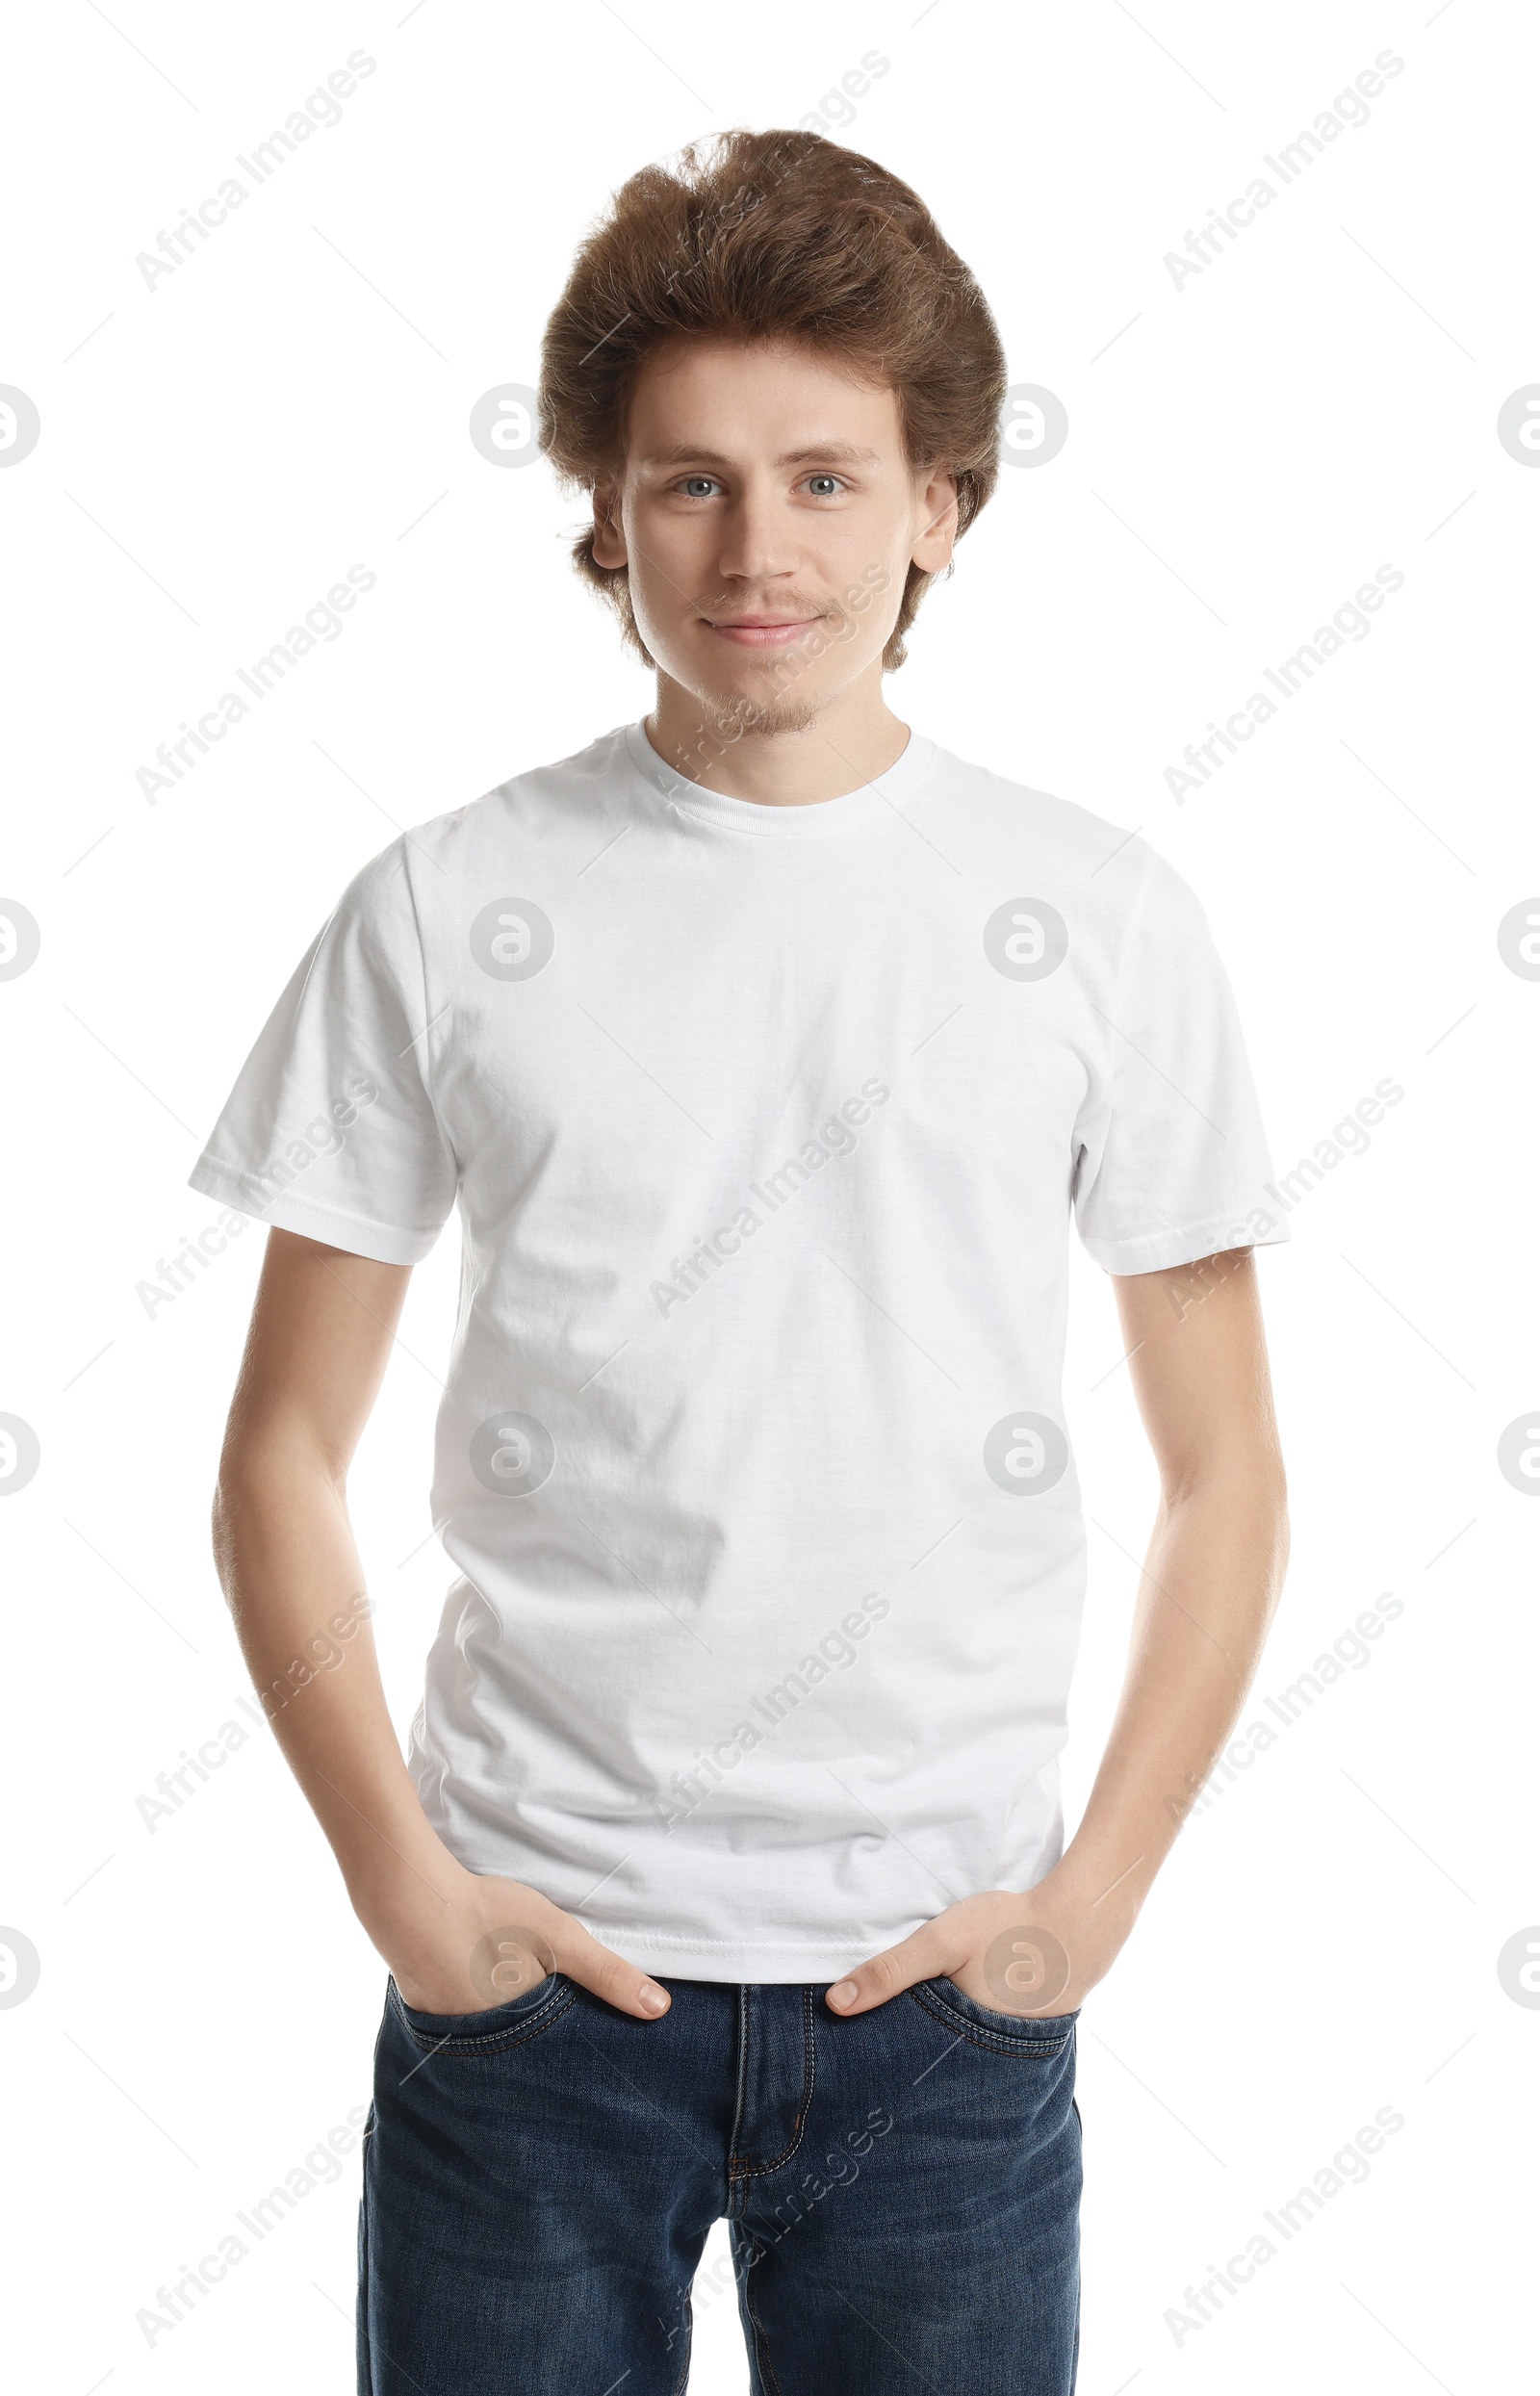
(731, 720)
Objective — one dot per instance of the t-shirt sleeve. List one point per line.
(1172, 1161)
(331, 1129)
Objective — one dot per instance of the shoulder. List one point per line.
(1107, 869)
(546, 805)
(522, 826)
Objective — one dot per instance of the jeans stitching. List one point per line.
(363, 2342)
(761, 2342)
(810, 2075)
(496, 2042)
(684, 2380)
(980, 2034)
(743, 2083)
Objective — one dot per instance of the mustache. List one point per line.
(716, 608)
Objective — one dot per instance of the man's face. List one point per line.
(767, 516)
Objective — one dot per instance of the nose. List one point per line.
(757, 543)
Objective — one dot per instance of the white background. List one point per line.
(1243, 452)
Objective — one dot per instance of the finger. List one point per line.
(921, 1957)
(608, 1976)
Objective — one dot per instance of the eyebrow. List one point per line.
(835, 453)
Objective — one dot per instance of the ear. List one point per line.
(938, 517)
(609, 541)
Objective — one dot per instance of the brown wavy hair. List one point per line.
(774, 236)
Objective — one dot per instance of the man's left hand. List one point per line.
(1035, 1956)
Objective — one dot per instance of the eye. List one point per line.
(824, 486)
(699, 486)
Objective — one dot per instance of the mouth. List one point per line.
(760, 632)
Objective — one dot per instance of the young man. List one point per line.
(766, 1050)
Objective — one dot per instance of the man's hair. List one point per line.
(774, 237)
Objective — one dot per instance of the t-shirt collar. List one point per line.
(870, 803)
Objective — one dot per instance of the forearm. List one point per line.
(454, 1939)
(292, 1574)
(1210, 1583)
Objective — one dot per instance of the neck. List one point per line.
(853, 738)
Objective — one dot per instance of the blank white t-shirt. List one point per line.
(765, 1125)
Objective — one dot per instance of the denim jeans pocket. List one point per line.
(1040, 2037)
(495, 2025)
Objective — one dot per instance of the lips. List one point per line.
(762, 631)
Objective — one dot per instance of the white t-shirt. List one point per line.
(765, 1125)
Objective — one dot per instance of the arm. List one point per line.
(1210, 1586)
(321, 1337)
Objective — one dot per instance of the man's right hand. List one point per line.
(466, 1941)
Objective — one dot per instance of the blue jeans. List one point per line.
(902, 2191)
